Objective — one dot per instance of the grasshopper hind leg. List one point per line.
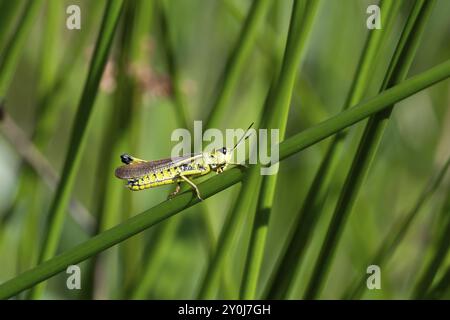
(193, 185)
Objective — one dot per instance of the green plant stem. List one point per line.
(443, 244)
(299, 30)
(364, 109)
(242, 207)
(216, 184)
(397, 233)
(228, 82)
(32, 187)
(368, 145)
(164, 236)
(183, 117)
(51, 101)
(134, 250)
(235, 64)
(227, 235)
(12, 50)
(172, 67)
(442, 286)
(78, 137)
(8, 11)
(114, 140)
(265, 39)
(47, 106)
(42, 167)
(289, 262)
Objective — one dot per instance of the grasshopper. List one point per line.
(141, 174)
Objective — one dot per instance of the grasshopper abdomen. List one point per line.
(143, 175)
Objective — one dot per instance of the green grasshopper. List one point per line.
(141, 174)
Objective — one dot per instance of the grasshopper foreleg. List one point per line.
(175, 192)
(222, 169)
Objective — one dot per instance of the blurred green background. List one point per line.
(168, 58)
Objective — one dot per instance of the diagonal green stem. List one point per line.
(443, 245)
(368, 145)
(167, 232)
(78, 138)
(12, 50)
(299, 31)
(230, 77)
(441, 287)
(235, 64)
(114, 140)
(216, 184)
(305, 221)
(397, 233)
(242, 207)
(8, 10)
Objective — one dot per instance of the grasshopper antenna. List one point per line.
(243, 138)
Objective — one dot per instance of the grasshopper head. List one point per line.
(219, 157)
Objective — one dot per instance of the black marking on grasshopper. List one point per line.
(126, 158)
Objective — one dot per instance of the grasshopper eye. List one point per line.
(224, 150)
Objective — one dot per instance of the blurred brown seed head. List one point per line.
(108, 82)
(149, 82)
